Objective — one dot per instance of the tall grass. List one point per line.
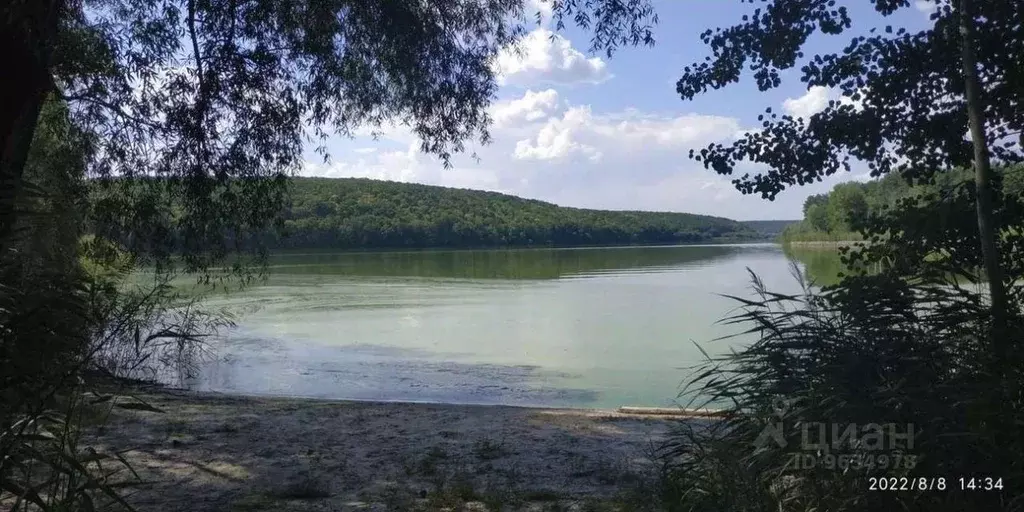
(800, 233)
(60, 326)
(910, 357)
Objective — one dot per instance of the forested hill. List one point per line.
(364, 213)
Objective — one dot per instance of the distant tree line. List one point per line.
(364, 213)
(769, 229)
(839, 214)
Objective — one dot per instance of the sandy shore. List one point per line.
(210, 452)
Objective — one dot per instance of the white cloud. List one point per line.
(640, 130)
(409, 166)
(383, 165)
(925, 6)
(545, 57)
(555, 140)
(365, 150)
(394, 130)
(543, 8)
(531, 107)
(813, 101)
(578, 131)
(576, 155)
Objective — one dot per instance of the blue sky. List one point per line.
(583, 130)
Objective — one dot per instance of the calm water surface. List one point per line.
(553, 327)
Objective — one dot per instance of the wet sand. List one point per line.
(213, 452)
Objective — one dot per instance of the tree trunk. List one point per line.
(982, 174)
(29, 27)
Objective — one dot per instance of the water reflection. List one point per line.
(822, 266)
(505, 263)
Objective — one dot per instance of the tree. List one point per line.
(814, 199)
(846, 206)
(1013, 181)
(903, 101)
(187, 117)
(40, 339)
(910, 97)
(817, 217)
(215, 97)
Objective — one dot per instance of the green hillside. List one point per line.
(363, 213)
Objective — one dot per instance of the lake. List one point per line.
(588, 327)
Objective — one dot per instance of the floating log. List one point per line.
(672, 411)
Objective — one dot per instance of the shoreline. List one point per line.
(822, 243)
(156, 388)
(299, 251)
(213, 451)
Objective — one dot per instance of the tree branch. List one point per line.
(117, 110)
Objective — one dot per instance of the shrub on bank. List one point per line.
(876, 383)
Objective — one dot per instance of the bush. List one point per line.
(881, 350)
